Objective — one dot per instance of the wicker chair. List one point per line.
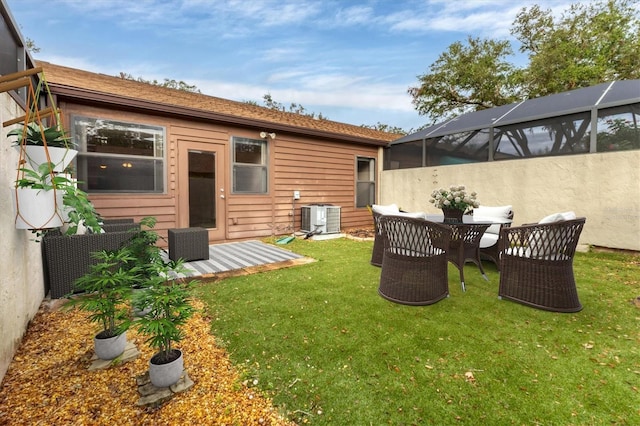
(464, 246)
(414, 265)
(66, 258)
(536, 265)
(489, 241)
(378, 245)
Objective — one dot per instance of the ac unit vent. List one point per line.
(321, 219)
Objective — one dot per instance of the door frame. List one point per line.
(182, 193)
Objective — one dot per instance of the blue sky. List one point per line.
(352, 61)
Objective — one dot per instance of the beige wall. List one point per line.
(21, 281)
(604, 188)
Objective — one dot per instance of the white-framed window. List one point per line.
(365, 181)
(250, 166)
(116, 156)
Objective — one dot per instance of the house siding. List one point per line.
(322, 170)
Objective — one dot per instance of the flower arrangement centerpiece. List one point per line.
(454, 202)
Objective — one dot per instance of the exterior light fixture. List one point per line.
(264, 135)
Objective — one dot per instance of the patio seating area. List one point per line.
(535, 261)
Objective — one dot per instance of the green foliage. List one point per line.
(164, 302)
(108, 289)
(80, 210)
(43, 178)
(38, 135)
(387, 128)
(588, 44)
(465, 78)
(620, 135)
(294, 108)
(168, 307)
(330, 351)
(168, 83)
(147, 256)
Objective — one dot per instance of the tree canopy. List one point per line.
(587, 45)
(168, 83)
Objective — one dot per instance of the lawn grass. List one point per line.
(329, 350)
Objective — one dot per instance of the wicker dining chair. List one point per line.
(414, 265)
(536, 265)
(377, 212)
(378, 244)
(465, 246)
(489, 241)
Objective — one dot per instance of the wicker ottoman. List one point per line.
(188, 244)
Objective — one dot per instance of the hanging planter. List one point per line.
(35, 208)
(41, 144)
(36, 198)
(60, 157)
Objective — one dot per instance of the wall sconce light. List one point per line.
(103, 166)
(264, 135)
(127, 165)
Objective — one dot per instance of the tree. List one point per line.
(294, 108)
(466, 78)
(31, 46)
(387, 128)
(587, 45)
(170, 84)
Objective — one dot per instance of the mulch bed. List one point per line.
(49, 383)
(361, 233)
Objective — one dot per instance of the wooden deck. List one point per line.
(239, 256)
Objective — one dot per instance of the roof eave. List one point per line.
(92, 96)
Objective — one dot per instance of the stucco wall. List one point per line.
(21, 280)
(604, 188)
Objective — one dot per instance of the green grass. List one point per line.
(329, 350)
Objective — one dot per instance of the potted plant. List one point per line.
(35, 198)
(78, 212)
(164, 306)
(44, 144)
(107, 288)
(168, 309)
(454, 202)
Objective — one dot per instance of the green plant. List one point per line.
(42, 178)
(79, 209)
(107, 288)
(147, 256)
(165, 302)
(34, 134)
(168, 307)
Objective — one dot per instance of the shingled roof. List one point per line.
(91, 87)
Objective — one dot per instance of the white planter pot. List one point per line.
(35, 208)
(164, 375)
(111, 347)
(60, 157)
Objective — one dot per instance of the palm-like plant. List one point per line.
(108, 289)
(34, 134)
(168, 308)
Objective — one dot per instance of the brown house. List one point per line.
(195, 160)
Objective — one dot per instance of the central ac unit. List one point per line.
(321, 219)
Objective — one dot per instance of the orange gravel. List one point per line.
(48, 382)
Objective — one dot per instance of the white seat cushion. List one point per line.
(499, 212)
(415, 215)
(488, 240)
(390, 209)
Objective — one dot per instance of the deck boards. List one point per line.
(238, 255)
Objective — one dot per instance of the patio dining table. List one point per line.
(465, 240)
